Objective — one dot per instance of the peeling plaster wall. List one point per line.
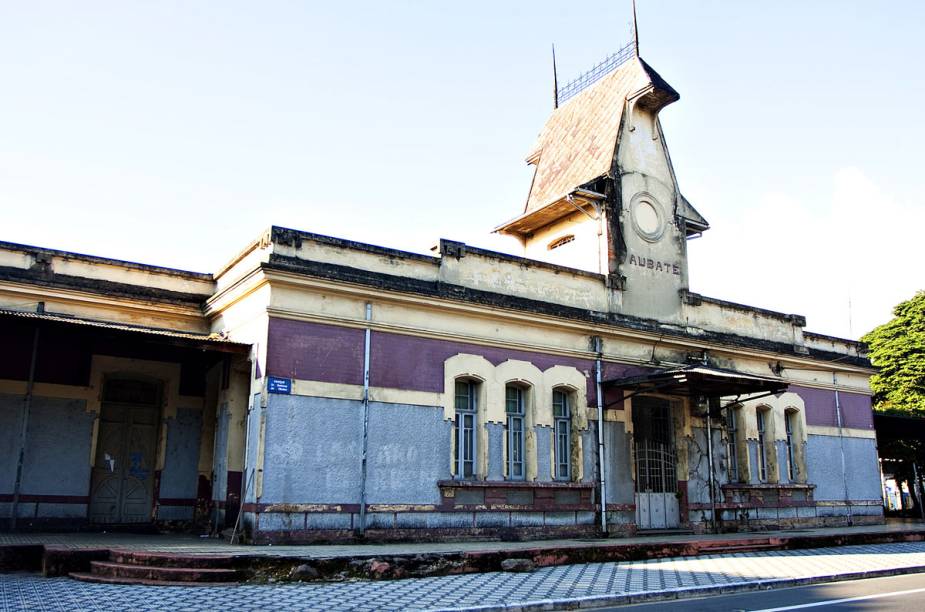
(698, 477)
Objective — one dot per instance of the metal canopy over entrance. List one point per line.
(699, 381)
(654, 429)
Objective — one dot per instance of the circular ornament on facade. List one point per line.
(648, 217)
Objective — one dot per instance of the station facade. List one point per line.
(320, 389)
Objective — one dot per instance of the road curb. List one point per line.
(597, 601)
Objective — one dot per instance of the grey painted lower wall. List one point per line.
(543, 450)
(10, 423)
(824, 467)
(57, 458)
(495, 451)
(314, 449)
(617, 445)
(179, 478)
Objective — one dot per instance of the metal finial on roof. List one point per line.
(587, 79)
(635, 30)
(555, 80)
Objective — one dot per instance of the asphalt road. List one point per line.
(891, 594)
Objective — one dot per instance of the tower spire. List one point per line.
(635, 30)
(555, 80)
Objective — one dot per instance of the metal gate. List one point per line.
(656, 464)
(122, 482)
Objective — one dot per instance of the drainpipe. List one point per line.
(841, 442)
(26, 409)
(712, 477)
(363, 464)
(598, 366)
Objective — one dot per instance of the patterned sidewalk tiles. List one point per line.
(542, 589)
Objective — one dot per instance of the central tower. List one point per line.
(604, 196)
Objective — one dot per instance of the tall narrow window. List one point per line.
(732, 446)
(762, 449)
(464, 428)
(562, 414)
(791, 464)
(514, 406)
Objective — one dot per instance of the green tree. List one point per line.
(897, 349)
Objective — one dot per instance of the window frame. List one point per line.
(733, 471)
(463, 413)
(515, 431)
(562, 434)
(789, 415)
(761, 417)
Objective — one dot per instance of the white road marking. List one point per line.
(832, 602)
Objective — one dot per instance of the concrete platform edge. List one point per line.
(598, 601)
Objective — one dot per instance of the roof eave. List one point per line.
(548, 213)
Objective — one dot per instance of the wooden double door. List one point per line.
(122, 480)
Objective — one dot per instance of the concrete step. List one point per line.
(170, 574)
(85, 577)
(664, 532)
(722, 549)
(166, 559)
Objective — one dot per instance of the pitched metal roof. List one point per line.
(579, 141)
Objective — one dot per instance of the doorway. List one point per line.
(656, 464)
(122, 481)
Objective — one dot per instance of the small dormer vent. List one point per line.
(555, 244)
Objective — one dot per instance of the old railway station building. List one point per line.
(320, 389)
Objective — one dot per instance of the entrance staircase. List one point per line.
(157, 568)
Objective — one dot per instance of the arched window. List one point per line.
(795, 445)
(562, 434)
(762, 416)
(791, 457)
(464, 427)
(515, 426)
(732, 444)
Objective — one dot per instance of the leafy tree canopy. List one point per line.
(897, 348)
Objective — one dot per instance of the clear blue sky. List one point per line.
(173, 132)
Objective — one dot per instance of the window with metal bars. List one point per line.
(562, 417)
(761, 416)
(464, 428)
(732, 444)
(514, 439)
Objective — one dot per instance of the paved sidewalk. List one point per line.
(180, 543)
(545, 589)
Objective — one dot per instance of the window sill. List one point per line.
(768, 485)
(513, 484)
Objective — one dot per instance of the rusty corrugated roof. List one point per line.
(155, 331)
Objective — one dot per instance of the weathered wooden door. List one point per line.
(122, 482)
(656, 464)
